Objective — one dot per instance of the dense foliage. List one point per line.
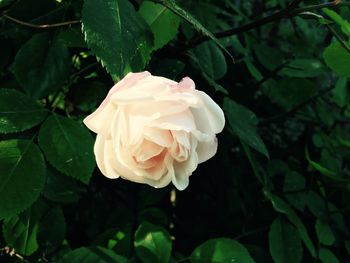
(278, 189)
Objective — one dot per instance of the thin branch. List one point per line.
(288, 12)
(39, 26)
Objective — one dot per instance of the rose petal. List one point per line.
(182, 121)
(99, 120)
(105, 157)
(210, 118)
(206, 150)
(183, 170)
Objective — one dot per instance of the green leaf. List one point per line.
(92, 255)
(282, 207)
(344, 25)
(347, 246)
(324, 233)
(285, 243)
(61, 188)
(210, 60)
(327, 256)
(169, 68)
(73, 37)
(174, 7)
(291, 92)
(341, 95)
(338, 59)
(68, 147)
(294, 183)
(320, 168)
(163, 23)
(42, 65)
(22, 176)
(221, 250)
(18, 112)
(21, 231)
(243, 123)
(303, 68)
(122, 46)
(152, 243)
(39, 225)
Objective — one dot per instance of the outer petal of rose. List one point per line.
(105, 157)
(183, 170)
(144, 90)
(206, 150)
(209, 118)
(99, 120)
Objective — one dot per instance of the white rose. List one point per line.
(153, 130)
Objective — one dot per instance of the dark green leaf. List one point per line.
(152, 243)
(18, 112)
(163, 23)
(303, 68)
(324, 233)
(243, 123)
(338, 59)
(22, 176)
(21, 231)
(327, 256)
(282, 207)
(92, 255)
(285, 243)
(290, 92)
(221, 250)
(122, 46)
(61, 188)
(173, 6)
(169, 68)
(341, 95)
(294, 184)
(42, 65)
(73, 37)
(210, 59)
(68, 147)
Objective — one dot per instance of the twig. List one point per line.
(39, 26)
(288, 12)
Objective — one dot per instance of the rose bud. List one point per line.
(153, 130)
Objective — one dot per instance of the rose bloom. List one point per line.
(154, 130)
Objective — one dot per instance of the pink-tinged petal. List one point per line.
(206, 150)
(186, 83)
(144, 90)
(99, 120)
